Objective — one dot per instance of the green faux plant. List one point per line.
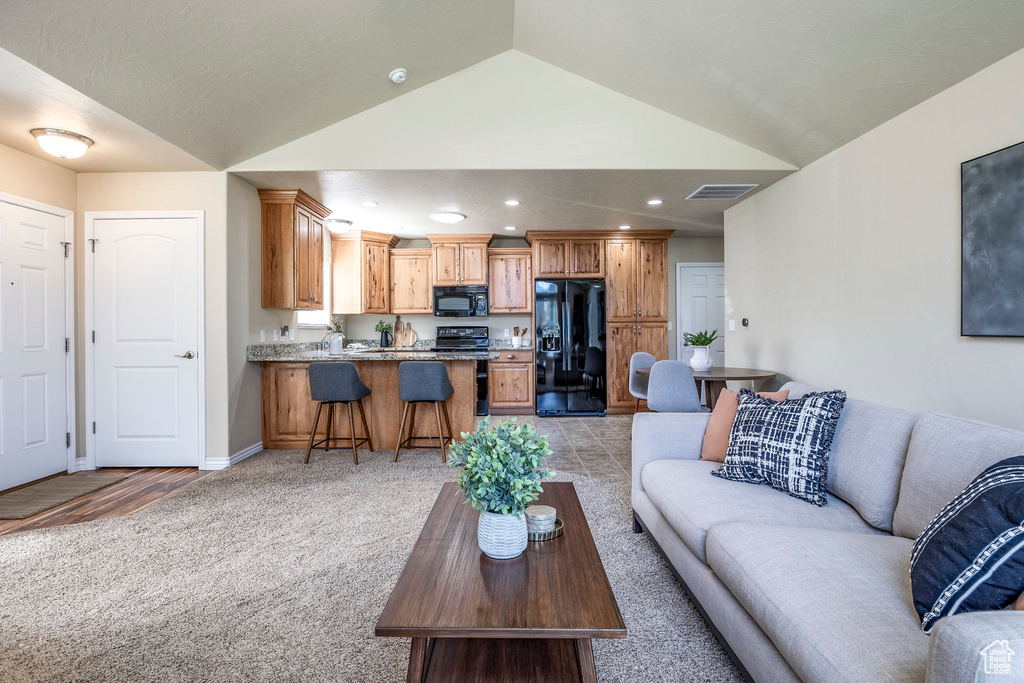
(336, 326)
(382, 326)
(700, 338)
(501, 469)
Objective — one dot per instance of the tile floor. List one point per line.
(598, 447)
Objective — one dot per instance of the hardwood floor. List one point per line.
(144, 486)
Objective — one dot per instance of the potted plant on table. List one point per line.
(700, 341)
(501, 470)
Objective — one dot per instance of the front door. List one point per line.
(700, 293)
(147, 326)
(33, 377)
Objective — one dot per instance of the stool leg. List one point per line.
(401, 431)
(312, 432)
(352, 431)
(447, 421)
(330, 424)
(440, 432)
(366, 429)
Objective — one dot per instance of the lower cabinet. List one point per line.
(625, 339)
(510, 383)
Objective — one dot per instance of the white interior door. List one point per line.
(147, 318)
(33, 378)
(700, 304)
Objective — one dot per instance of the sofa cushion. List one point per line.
(837, 605)
(716, 436)
(971, 557)
(693, 501)
(946, 453)
(868, 454)
(784, 444)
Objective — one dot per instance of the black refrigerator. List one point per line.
(571, 378)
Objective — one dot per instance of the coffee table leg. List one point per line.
(585, 655)
(419, 655)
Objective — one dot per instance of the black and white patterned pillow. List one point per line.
(784, 444)
(971, 557)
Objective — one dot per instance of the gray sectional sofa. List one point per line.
(801, 593)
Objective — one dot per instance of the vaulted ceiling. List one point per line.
(225, 80)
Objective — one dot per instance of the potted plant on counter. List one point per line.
(501, 471)
(385, 333)
(700, 341)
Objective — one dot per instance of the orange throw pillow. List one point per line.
(716, 437)
(1019, 604)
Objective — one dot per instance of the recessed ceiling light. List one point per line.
(61, 143)
(625, 227)
(447, 217)
(370, 204)
(511, 202)
(655, 202)
(510, 227)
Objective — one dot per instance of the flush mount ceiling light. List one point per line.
(655, 202)
(511, 202)
(61, 143)
(447, 217)
(625, 227)
(510, 227)
(397, 75)
(338, 225)
(370, 204)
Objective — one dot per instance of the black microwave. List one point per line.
(460, 302)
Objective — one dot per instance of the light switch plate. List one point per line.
(732, 325)
(291, 335)
(263, 336)
(669, 325)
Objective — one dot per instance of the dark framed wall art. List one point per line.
(992, 243)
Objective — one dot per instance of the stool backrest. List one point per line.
(335, 381)
(424, 381)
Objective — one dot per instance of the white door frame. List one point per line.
(90, 321)
(679, 303)
(69, 312)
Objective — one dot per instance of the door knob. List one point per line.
(187, 354)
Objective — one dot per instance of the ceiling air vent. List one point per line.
(721, 191)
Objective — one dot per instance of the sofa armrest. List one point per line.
(666, 436)
(963, 645)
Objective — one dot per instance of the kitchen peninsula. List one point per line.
(288, 409)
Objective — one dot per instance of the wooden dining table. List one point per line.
(714, 379)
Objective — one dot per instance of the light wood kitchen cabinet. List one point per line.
(411, 281)
(511, 280)
(361, 272)
(621, 298)
(625, 339)
(652, 280)
(510, 383)
(572, 258)
(292, 249)
(460, 259)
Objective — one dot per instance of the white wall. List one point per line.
(688, 250)
(849, 270)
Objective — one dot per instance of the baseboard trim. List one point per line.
(233, 459)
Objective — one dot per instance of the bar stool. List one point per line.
(424, 382)
(330, 384)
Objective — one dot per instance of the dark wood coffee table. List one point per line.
(531, 618)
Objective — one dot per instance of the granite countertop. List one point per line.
(308, 352)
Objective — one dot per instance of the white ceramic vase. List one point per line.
(337, 345)
(501, 536)
(701, 359)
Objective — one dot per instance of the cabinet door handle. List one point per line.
(510, 356)
(364, 303)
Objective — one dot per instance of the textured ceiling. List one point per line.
(228, 79)
(30, 98)
(225, 80)
(551, 200)
(793, 78)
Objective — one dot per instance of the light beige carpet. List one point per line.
(50, 493)
(275, 571)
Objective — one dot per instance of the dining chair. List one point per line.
(671, 389)
(638, 383)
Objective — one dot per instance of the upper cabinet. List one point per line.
(460, 259)
(411, 280)
(292, 250)
(637, 279)
(511, 281)
(361, 272)
(572, 258)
